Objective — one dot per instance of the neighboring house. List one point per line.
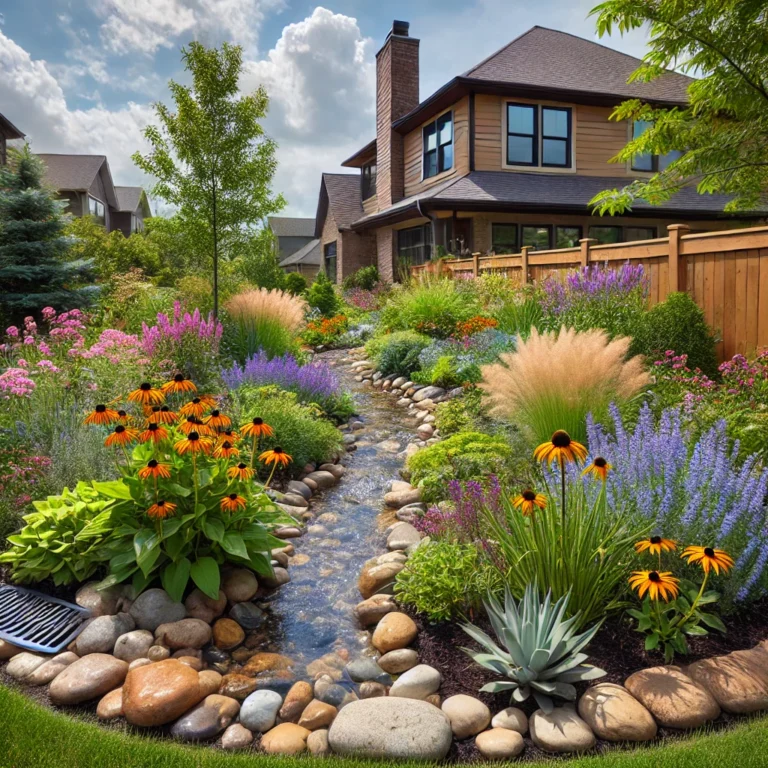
(291, 234)
(8, 132)
(306, 261)
(504, 156)
(132, 209)
(339, 207)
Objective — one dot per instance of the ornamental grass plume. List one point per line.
(553, 380)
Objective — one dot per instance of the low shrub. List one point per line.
(325, 331)
(22, 473)
(322, 296)
(295, 283)
(364, 278)
(461, 414)
(195, 291)
(397, 353)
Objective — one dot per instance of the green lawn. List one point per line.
(34, 737)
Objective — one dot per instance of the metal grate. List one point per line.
(37, 622)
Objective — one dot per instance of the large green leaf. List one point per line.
(175, 577)
(214, 529)
(114, 489)
(205, 574)
(234, 545)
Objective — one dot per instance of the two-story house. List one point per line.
(296, 247)
(8, 132)
(504, 156)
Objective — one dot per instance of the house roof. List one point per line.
(78, 172)
(287, 226)
(131, 198)
(362, 156)
(8, 129)
(339, 196)
(311, 253)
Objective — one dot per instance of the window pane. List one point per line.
(639, 233)
(520, 119)
(555, 122)
(605, 235)
(538, 237)
(430, 164)
(519, 150)
(567, 237)
(430, 137)
(554, 152)
(445, 128)
(504, 238)
(639, 127)
(670, 157)
(642, 162)
(446, 157)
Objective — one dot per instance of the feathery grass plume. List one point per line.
(554, 380)
(263, 319)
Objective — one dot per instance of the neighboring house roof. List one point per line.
(129, 199)
(286, 226)
(339, 196)
(8, 129)
(78, 172)
(311, 253)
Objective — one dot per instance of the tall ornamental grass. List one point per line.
(553, 380)
(262, 319)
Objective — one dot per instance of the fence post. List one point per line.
(676, 231)
(524, 263)
(476, 264)
(586, 244)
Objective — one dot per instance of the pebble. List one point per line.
(8, 650)
(371, 690)
(155, 607)
(511, 718)
(101, 634)
(88, 678)
(417, 683)
(200, 606)
(267, 662)
(138, 663)
(247, 615)
(236, 736)
(403, 535)
(187, 633)
(133, 645)
(372, 610)
(296, 701)
(207, 720)
(259, 710)
(378, 577)
(398, 661)
(238, 686)
(227, 634)
(562, 730)
(331, 694)
(396, 630)
(301, 488)
(111, 705)
(240, 585)
(158, 653)
(317, 714)
(467, 714)
(397, 499)
(428, 393)
(323, 478)
(285, 739)
(499, 744)
(317, 743)
(363, 669)
(24, 664)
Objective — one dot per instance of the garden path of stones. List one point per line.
(298, 663)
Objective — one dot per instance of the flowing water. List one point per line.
(313, 615)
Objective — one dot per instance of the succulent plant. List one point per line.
(543, 654)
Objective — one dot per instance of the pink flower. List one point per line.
(22, 363)
(43, 348)
(29, 340)
(12, 331)
(48, 313)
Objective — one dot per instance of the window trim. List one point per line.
(452, 142)
(95, 216)
(507, 224)
(538, 144)
(549, 227)
(568, 139)
(534, 136)
(428, 244)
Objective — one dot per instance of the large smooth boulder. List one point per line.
(260, 709)
(323, 478)
(155, 607)
(614, 714)
(738, 681)
(285, 739)
(24, 664)
(467, 714)
(378, 574)
(403, 536)
(398, 661)
(101, 634)
(200, 606)
(134, 645)
(397, 499)
(391, 728)
(207, 720)
(240, 585)
(511, 718)
(562, 730)
(160, 693)
(417, 683)
(375, 608)
(672, 697)
(52, 668)
(296, 701)
(187, 633)
(499, 744)
(87, 678)
(396, 630)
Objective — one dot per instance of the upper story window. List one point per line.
(368, 181)
(647, 162)
(96, 209)
(539, 136)
(438, 145)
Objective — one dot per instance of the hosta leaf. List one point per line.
(214, 529)
(713, 621)
(175, 577)
(205, 573)
(114, 489)
(233, 544)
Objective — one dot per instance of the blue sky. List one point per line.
(81, 75)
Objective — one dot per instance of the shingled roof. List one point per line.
(311, 253)
(129, 198)
(339, 196)
(287, 226)
(77, 173)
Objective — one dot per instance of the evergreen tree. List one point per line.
(33, 272)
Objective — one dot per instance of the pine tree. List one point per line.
(33, 272)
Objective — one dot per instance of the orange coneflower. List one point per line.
(225, 450)
(528, 500)
(194, 443)
(707, 558)
(178, 384)
(197, 406)
(161, 509)
(123, 417)
(561, 449)
(240, 472)
(146, 394)
(122, 436)
(599, 468)
(217, 420)
(154, 432)
(233, 502)
(257, 428)
(276, 456)
(655, 545)
(101, 415)
(155, 469)
(193, 424)
(160, 414)
(655, 583)
(228, 435)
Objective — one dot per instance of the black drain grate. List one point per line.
(37, 622)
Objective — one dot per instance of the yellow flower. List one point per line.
(707, 558)
(161, 509)
(154, 432)
(240, 472)
(155, 469)
(257, 428)
(655, 545)
(225, 450)
(656, 584)
(160, 414)
(599, 468)
(122, 435)
(217, 420)
(198, 406)
(178, 384)
(560, 449)
(528, 500)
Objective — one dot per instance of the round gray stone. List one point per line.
(155, 607)
(259, 710)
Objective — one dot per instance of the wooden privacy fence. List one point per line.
(725, 272)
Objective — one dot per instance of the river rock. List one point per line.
(209, 681)
(467, 714)
(424, 431)
(323, 479)
(317, 743)
(161, 692)
(259, 710)
(562, 730)
(187, 633)
(337, 470)
(366, 668)
(100, 602)
(236, 736)
(378, 577)
(285, 739)
(101, 634)
(247, 615)
(279, 576)
(207, 720)
(155, 607)
(133, 645)
(371, 690)
(511, 718)
(388, 728)
(24, 664)
(736, 681)
(403, 535)
(396, 630)
(372, 610)
(614, 714)
(317, 714)
(499, 744)
(428, 393)
(87, 678)
(397, 499)
(295, 500)
(158, 653)
(240, 585)
(136, 663)
(200, 606)
(301, 488)
(110, 706)
(417, 683)
(267, 662)
(8, 650)
(227, 634)
(52, 668)
(238, 686)
(673, 698)
(296, 701)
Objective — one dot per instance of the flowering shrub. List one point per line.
(21, 473)
(366, 300)
(324, 331)
(474, 325)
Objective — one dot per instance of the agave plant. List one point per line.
(543, 654)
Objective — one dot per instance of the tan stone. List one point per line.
(236, 737)
(561, 730)
(200, 606)
(237, 686)
(296, 701)
(374, 609)
(317, 743)
(227, 634)
(467, 714)
(51, 669)
(317, 714)
(266, 662)
(240, 585)
(736, 681)
(88, 678)
(399, 661)
(511, 718)
(674, 700)
(499, 744)
(210, 681)
(111, 705)
(395, 630)
(8, 650)
(187, 633)
(285, 739)
(614, 714)
(375, 577)
(191, 661)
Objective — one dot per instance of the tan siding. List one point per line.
(330, 234)
(487, 133)
(413, 151)
(371, 205)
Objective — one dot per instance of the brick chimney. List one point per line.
(397, 93)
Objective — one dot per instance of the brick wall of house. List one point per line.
(330, 234)
(357, 250)
(385, 254)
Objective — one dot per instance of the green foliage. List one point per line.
(677, 324)
(195, 292)
(33, 248)
(542, 654)
(464, 456)
(517, 315)
(295, 283)
(259, 264)
(322, 296)
(461, 414)
(397, 352)
(365, 278)
(181, 243)
(447, 373)
(443, 579)
(722, 133)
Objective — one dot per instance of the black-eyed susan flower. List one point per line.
(217, 420)
(146, 394)
(655, 545)
(229, 436)
(198, 406)
(178, 384)
(192, 424)
(256, 428)
(225, 450)
(194, 443)
(101, 415)
(707, 558)
(122, 436)
(240, 472)
(598, 468)
(232, 503)
(154, 432)
(159, 414)
(276, 456)
(155, 469)
(528, 501)
(161, 509)
(124, 417)
(656, 583)
(561, 449)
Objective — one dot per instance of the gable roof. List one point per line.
(78, 172)
(339, 196)
(287, 226)
(8, 129)
(311, 253)
(131, 198)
